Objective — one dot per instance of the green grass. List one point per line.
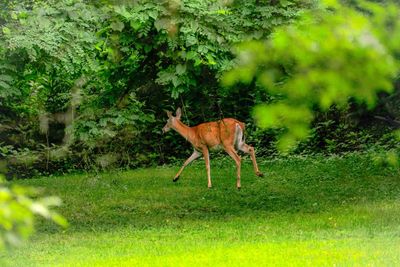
(304, 212)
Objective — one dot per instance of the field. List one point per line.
(311, 211)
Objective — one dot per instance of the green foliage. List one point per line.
(330, 55)
(111, 133)
(90, 80)
(56, 38)
(184, 47)
(389, 156)
(18, 205)
(173, 54)
(6, 79)
(50, 46)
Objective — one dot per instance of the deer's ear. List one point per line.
(169, 114)
(178, 113)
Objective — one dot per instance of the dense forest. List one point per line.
(85, 84)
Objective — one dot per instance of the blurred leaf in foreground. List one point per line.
(18, 205)
(332, 54)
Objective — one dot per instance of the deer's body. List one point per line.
(227, 134)
(213, 135)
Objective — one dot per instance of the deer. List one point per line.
(227, 134)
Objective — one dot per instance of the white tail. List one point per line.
(227, 133)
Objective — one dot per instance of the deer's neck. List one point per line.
(187, 132)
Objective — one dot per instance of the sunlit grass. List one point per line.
(304, 212)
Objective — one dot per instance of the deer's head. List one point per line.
(172, 120)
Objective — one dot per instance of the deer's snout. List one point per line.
(165, 129)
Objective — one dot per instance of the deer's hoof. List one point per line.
(175, 179)
(260, 174)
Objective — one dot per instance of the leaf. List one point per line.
(153, 14)
(51, 201)
(4, 77)
(176, 81)
(165, 77)
(210, 59)
(40, 209)
(6, 30)
(99, 46)
(4, 85)
(176, 91)
(397, 134)
(161, 24)
(191, 55)
(198, 62)
(60, 220)
(223, 12)
(286, 143)
(121, 10)
(191, 40)
(180, 69)
(14, 16)
(135, 24)
(117, 26)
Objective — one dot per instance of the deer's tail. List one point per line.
(239, 134)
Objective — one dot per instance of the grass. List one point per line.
(316, 211)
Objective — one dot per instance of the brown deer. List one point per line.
(226, 133)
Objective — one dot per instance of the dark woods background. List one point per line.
(99, 101)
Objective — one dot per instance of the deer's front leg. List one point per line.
(194, 156)
(206, 155)
(231, 151)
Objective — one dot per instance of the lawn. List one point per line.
(311, 211)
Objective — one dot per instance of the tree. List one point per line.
(332, 54)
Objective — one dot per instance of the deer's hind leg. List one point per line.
(242, 146)
(250, 150)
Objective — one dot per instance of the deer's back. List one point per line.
(218, 133)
